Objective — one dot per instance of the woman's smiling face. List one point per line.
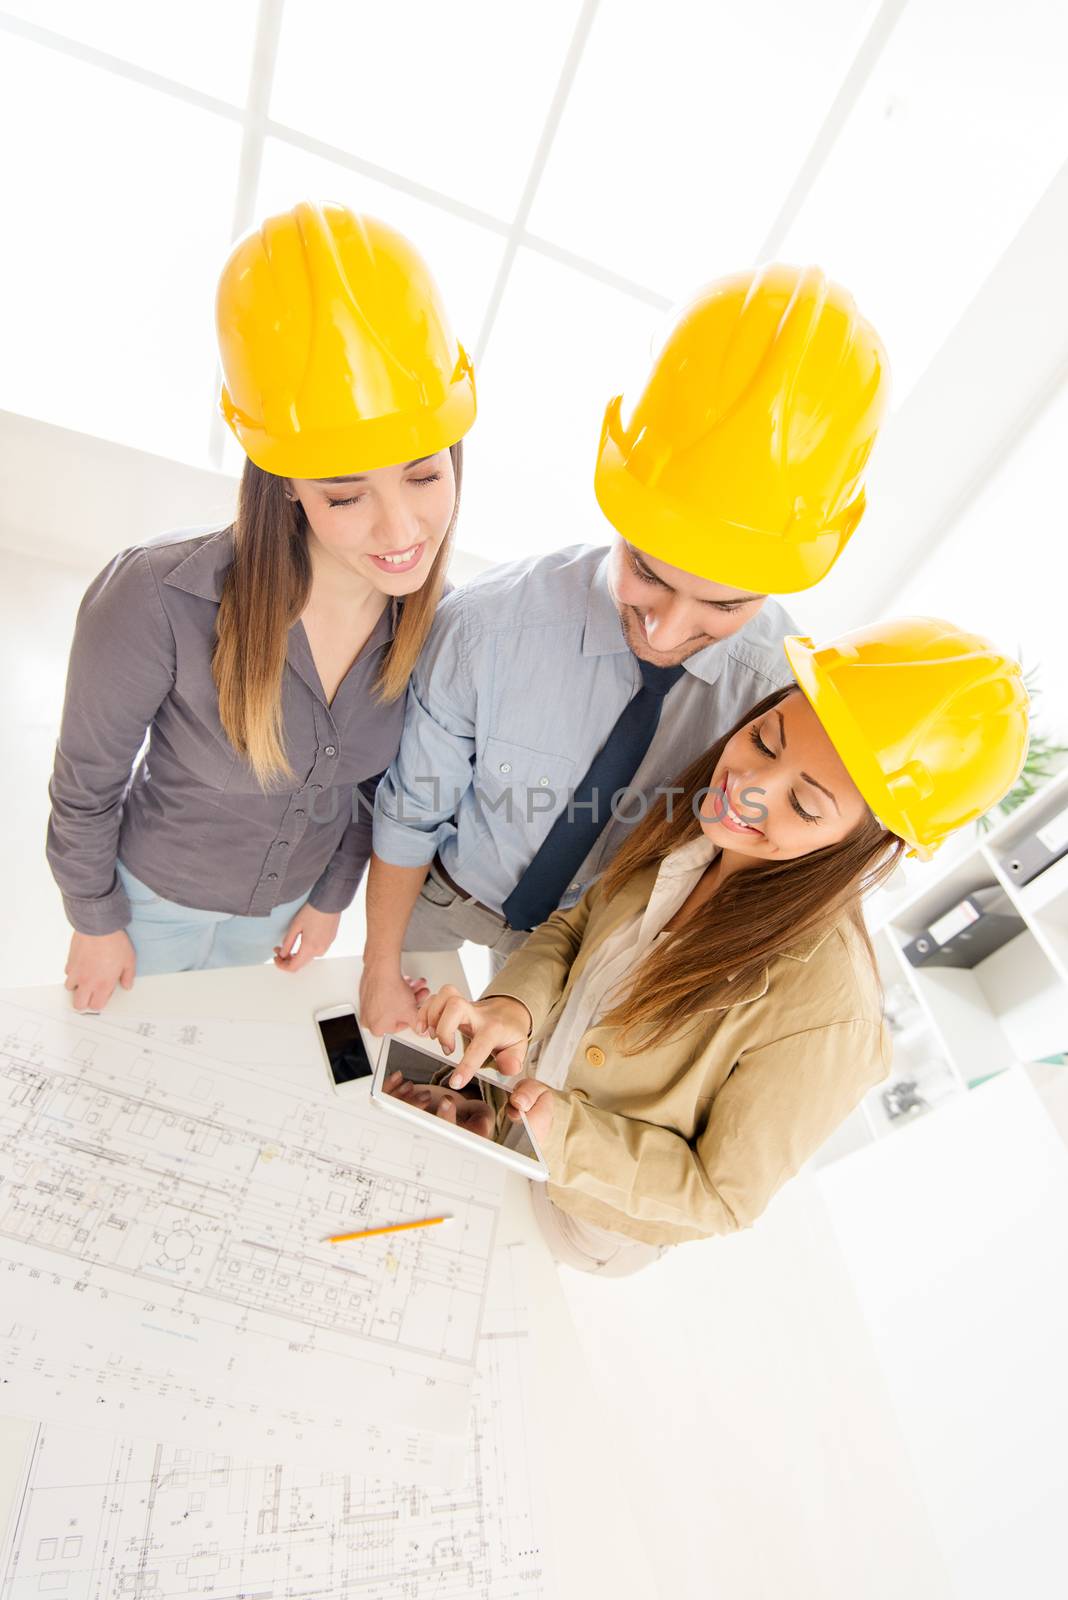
(387, 524)
(781, 789)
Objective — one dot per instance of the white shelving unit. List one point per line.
(954, 1027)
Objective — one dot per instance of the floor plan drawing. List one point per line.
(285, 1050)
(105, 1516)
(173, 1208)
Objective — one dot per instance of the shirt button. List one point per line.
(283, 844)
(317, 788)
(298, 813)
(544, 782)
(271, 876)
(331, 750)
(595, 1056)
(573, 888)
(506, 766)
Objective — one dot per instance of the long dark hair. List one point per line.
(265, 592)
(755, 914)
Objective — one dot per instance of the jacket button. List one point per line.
(595, 1056)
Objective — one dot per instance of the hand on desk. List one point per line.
(96, 962)
(498, 1027)
(442, 1102)
(389, 1000)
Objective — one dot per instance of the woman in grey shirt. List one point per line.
(267, 663)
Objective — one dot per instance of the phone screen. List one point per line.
(345, 1049)
(481, 1119)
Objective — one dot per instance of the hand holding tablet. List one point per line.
(409, 1080)
(441, 1101)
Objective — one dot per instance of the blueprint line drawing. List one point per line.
(173, 1209)
(105, 1516)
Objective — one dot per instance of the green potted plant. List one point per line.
(1042, 762)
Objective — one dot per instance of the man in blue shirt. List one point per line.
(557, 695)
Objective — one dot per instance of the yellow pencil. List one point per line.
(394, 1227)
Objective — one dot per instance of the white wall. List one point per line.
(1000, 568)
(71, 498)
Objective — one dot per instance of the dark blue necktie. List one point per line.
(571, 838)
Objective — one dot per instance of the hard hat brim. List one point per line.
(842, 730)
(708, 547)
(373, 442)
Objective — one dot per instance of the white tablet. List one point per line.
(478, 1127)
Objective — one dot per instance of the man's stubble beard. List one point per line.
(640, 647)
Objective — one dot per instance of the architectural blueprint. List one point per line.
(171, 1210)
(279, 1049)
(106, 1516)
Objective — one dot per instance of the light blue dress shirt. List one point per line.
(519, 685)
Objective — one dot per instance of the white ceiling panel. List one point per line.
(562, 346)
(685, 128)
(958, 132)
(200, 42)
(114, 243)
(453, 96)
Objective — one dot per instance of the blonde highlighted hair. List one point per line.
(265, 592)
(756, 912)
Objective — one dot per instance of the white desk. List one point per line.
(595, 1545)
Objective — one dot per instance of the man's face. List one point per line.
(668, 614)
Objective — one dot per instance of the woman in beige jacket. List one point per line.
(709, 1011)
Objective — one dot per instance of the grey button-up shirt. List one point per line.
(519, 685)
(193, 822)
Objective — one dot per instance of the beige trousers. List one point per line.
(586, 1247)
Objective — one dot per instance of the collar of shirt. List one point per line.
(603, 633)
(203, 573)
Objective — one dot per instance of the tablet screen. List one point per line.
(477, 1116)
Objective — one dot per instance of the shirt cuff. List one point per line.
(400, 845)
(108, 913)
(552, 1146)
(334, 892)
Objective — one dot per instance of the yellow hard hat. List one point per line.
(930, 721)
(743, 458)
(336, 350)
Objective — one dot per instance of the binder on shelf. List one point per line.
(1032, 856)
(972, 930)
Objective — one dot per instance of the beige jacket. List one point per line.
(694, 1136)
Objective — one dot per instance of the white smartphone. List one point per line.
(514, 1143)
(347, 1059)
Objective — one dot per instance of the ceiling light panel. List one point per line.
(562, 346)
(200, 42)
(108, 277)
(685, 128)
(961, 127)
(452, 96)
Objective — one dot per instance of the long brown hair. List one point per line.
(756, 913)
(265, 592)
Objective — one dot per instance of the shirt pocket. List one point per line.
(524, 786)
